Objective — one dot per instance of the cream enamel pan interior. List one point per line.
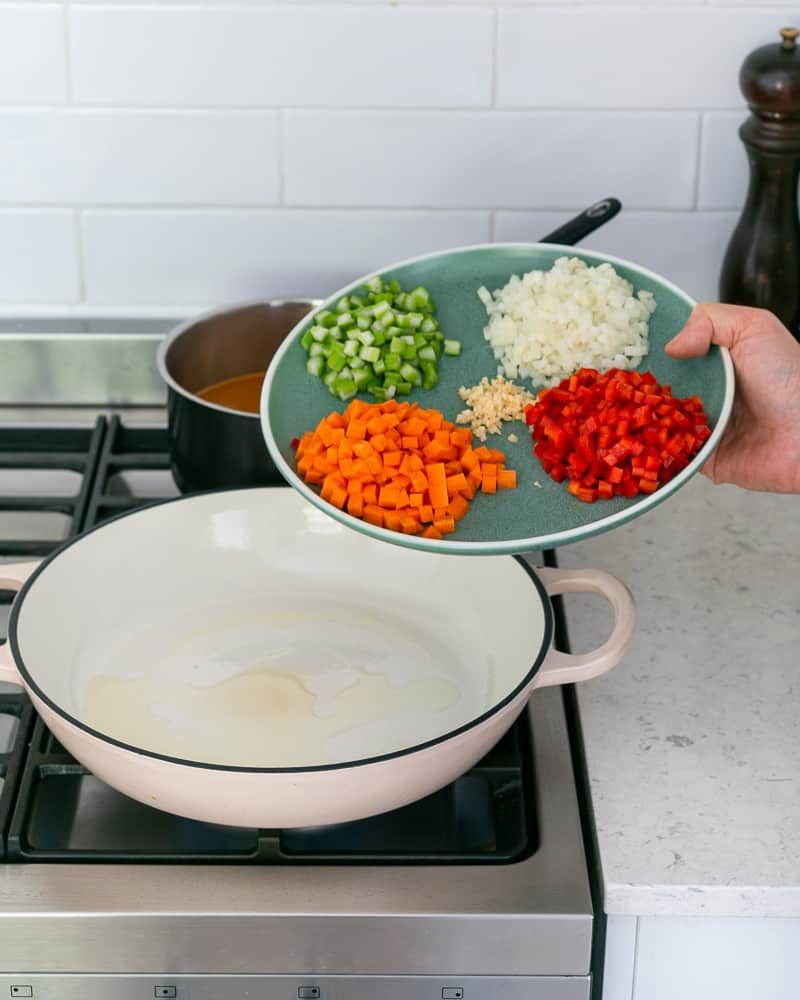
(239, 657)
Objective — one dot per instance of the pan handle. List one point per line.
(567, 668)
(582, 225)
(12, 577)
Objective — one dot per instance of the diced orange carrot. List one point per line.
(373, 514)
(399, 466)
(392, 520)
(356, 430)
(461, 438)
(507, 479)
(456, 484)
(419, 481)
(458, 507)
(437, 484)
(377, 425)
(388, 496)
(379, 443)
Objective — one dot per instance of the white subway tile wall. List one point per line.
(187, 153)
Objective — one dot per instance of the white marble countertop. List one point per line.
(693, 741)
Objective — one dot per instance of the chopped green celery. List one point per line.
(363, 322)
(394, 286)
(415, 319)
(351, 348)
(430, 376)
(409, 352)
(356, 302)
(387, 320)
(429, 325)
(366, 337)
(370, 354)
(318, 350)
(380, 338)
(357, 362)
(315, 365)
(393, 361)
(361, 377)
(367, 312)
(404, 388)
(421, 297)
(379, 393)
(334, 334)
(318, 333)
(345, 388)
(392, 378)
(343, 305)
(306, 340)
(380, 308)
(427, 353)
(392, 331)
(411, 374)
(403, 321)
(385, 297)
(452, 347)
(420, 340)
(375, 284)
(326, 318)
(337, 361)
(329, 378)
(396, 345)
(345, 320)
(379, 366)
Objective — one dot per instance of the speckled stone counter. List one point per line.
(693, 741)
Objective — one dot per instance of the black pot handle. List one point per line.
(589, 220)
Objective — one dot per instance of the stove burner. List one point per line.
(53, 810)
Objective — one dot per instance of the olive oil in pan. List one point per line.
(260, 718)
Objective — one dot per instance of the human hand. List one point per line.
(760, 449)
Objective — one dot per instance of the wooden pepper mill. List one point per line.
(762, 263)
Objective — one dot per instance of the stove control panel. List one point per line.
(249, 987)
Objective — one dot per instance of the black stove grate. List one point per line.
(64, 814)
(46, 477)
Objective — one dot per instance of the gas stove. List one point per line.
(480, 891)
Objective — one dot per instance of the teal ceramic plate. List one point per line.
(529, 517)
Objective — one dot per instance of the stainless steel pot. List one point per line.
(213, 446)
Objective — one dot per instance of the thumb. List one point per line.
(709, 323)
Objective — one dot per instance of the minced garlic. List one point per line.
(490, 404)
